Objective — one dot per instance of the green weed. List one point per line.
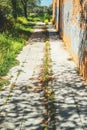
(3, 83)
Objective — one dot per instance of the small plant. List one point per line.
(46, 128)
(49, 93)
(12, 87)
(3, 83)
(51, 21)
(46, 21)
(19, 71)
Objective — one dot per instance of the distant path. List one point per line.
(70, 90)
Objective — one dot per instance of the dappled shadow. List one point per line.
(25, 108)
(69, 88)
(36, 37)
(71, 99)
(38, 26)
(29, 24)
(53, 34)
(40, 34)
(22, 32)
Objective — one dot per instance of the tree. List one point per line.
(14, 7)
(24, 3)
(29, 3)
(4, 8)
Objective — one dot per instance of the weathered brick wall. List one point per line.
(72, 25)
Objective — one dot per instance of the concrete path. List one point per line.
(21, 103)
(70, 90)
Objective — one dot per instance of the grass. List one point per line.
(12, 40)
(49, 93)
(43, 17)
(46, 63)
(48, 88)
(11, 43)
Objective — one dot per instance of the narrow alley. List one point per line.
(22, 102)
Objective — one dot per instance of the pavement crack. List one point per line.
(46, 80)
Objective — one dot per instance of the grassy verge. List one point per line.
(12, 41)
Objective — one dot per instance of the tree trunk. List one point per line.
(25, 11)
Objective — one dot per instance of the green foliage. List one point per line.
(46, 128)
(46, 21)
(28, 4)
(12, 41)
(4, 12)
(47, 16)
(15, 8)
(3, 82)
(43, 12)
(15, 30)
(5, 7)
(6, 24)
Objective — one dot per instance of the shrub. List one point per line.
(46, 21)
(51, 20)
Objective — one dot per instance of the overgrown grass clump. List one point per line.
(12, 41)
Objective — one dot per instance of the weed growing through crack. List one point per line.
(3, 83)
(6, 100)
(48, 89)
(18, 72)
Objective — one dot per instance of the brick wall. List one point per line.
(71, 22)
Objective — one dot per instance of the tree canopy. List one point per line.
(15, 8)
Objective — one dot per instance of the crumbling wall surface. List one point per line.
(70, 18)
(73, 26)
(56, 12)
(83, 45)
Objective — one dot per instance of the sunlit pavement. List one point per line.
(21, 103)
(70, 90)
